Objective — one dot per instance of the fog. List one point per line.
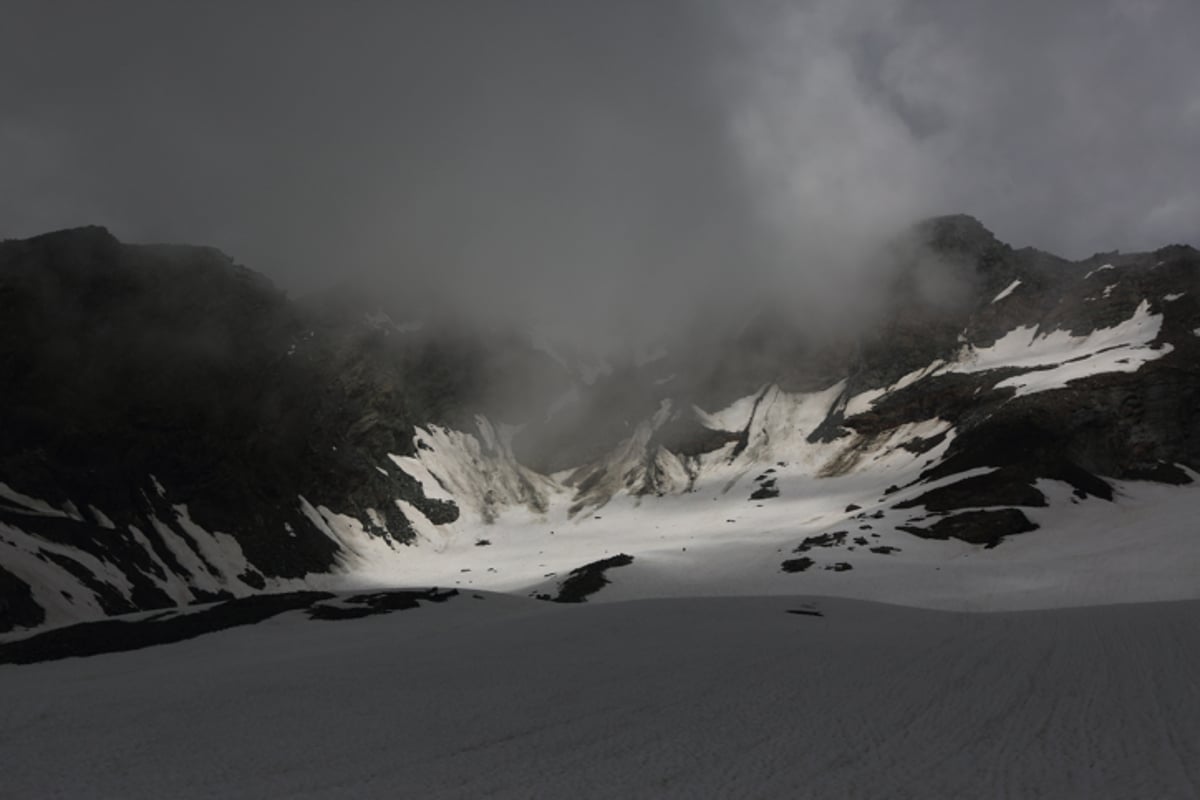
(600, 168)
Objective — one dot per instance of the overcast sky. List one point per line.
(550, 150)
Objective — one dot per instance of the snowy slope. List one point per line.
(715, 541)
(692, 528)
(735, 697)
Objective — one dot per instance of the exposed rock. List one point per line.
(976, 527)
(833, 539)
(17, 606)
(587, 580)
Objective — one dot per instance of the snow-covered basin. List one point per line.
(497, 696)
(1142, 547)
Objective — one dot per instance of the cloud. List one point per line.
(602, 167)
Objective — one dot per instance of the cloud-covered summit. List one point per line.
(599, 165)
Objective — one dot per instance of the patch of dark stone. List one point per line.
(796, 564)
(1003, 487)
(885, 550)
(852, 507)
(18, 609)
(253, 579)
(1025, 444)
(766, 490)
(439, 512)
(1161, 472)
(366, 605)
(840, 566)
(483, 542)
(986, 527)
(767, 487)
(807, 612)
(116, 635)
(832, 539)
(921, 445)
(205, 596)
(586, 580)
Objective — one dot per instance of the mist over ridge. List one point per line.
(603, 171)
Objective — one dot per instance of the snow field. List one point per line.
(733, 697)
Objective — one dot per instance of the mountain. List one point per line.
(177, 430)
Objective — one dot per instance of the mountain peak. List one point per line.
(68, 243)
(956, 233)
(82, 232)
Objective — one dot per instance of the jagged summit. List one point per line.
(81, 233)
(958, 234)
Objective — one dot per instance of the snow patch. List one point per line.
(477, 470)
(864, 401)
(217, 549)
(359, 548)
(1058, 357)
(734, 417)
(1012, 287)
(101, 518)
(30, 505)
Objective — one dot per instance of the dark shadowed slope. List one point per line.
(679, 699)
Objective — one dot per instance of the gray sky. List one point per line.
(571, 154)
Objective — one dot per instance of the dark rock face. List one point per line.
(976, 527)
(17, 606)
(999, 488)
(587, 580)
(834, 539)
(796, 564)
(767, 487)
(369, 605)
(127, 369)
(1123, 425)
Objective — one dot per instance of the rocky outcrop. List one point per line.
(142, 380)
